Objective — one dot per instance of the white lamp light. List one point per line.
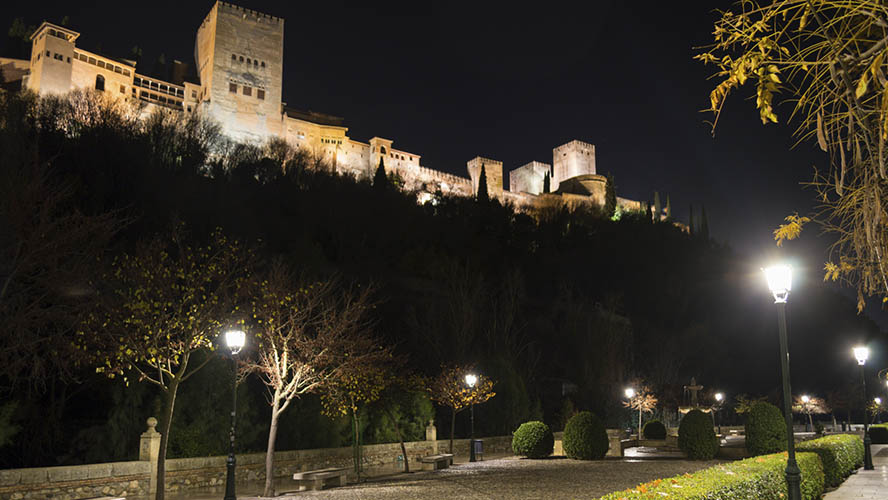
(805, 399)
(719, 396)
(235, 340)
(878, 401)
(630, 392)
(861, 353)
(471, 380)
(779, 282)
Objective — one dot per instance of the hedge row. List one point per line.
(840, 454)
(879, 433)
(756, 478)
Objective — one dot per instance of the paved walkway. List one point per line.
(866, 484)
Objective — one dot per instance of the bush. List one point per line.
(533, 440)
(654, 430)
(840, 455)
(765, 429)
(751, 479)
(585, 437)
(879, 433)
(696, 436)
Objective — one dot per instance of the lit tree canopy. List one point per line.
(827, 59)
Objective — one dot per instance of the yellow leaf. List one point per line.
(862, 85)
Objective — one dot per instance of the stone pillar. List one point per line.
(432, 435)
(149, 450)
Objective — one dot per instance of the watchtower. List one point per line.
(52, 53)
(572, 159)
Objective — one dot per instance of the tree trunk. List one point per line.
(165, 436)
(391, 417)
(810, 421)
(452, 427)
(269, 452)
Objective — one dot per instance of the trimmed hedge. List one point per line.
(879, 433)
(533, 440)
(654, 430)
(756, 478)
(696, 436)
(585, 437)
(840, 455)
(765, 429)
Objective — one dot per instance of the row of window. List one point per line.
(56, 56)
(102, 64)
(395, 156)
(254, 62)
(160, 87)
(247, 90)
(331, 141)
(152, 97)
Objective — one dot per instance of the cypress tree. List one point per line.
(648, 211)
(380, 180)
(691, 219)
(704, 224)
(483, 197)
(658, 208)
(547, 183)
(668, 208)
(610, 196)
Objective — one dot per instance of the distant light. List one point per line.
(805, 399)
(630, 392)
(779, 282)
(471, 380)
(861, 353)
(878, 401)
(719, 396)
(235, 340)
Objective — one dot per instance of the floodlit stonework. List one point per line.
(238, 57)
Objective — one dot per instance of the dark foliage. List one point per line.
(654, 429)
(765, 429)
(585, 437)
(533, 440)
(696, 437)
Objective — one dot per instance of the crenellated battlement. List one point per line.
(237, 9)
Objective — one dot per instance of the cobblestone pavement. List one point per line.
(515, 478)
(866, 484)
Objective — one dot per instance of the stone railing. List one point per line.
(139, 478)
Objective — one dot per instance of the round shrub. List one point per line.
(765, 429)
(654, 430)
(879, 434)
(585, 437)
(696, 437)
(533, 440)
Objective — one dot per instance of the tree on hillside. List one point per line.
(449, 389)
(668, 209)
(658, 208)
(828, 59)
(380, 180)
(19, 39)
(547, 183)
(610, 196)
(483, 196)
(308, 334)
(160, 309)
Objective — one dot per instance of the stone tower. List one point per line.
(239, 55)
(494, 173)
(571, 160)
(52, 53)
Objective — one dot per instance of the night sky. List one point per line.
(452, 81)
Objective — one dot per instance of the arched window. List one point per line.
(255, 63)
(241, 58)
(382, 149)
(233, 57)
(100, 83)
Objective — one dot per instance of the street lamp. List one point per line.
(780, 283)
(718, 402)
(235, 340)
(862, 353)
(805, 400)
(630, 393)
(471, 380)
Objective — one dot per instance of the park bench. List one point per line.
(316, 479)
(435, 462)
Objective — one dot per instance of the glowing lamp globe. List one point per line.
(471, 380)
(235, 339)
(779, 282)
(630, 392)
(719, 396)
(878, 401)
(805, 399)
(861, 353)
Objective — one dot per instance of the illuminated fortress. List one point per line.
(238, 55)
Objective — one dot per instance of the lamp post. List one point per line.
(471, 380)
(780, 283)
(630, 393)
(805, 400)
(719, 397)
(235, 340)
(862, 353)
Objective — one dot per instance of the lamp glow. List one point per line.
(878, 401)
(719, 396)
(235, 340)
(630, 392)
(861, 353)
(779, 282)
(471, 380)
(805, 399)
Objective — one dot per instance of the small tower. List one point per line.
(571, 160)
(494, 171)
(52, 53)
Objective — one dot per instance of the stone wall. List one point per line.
(79, 481)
